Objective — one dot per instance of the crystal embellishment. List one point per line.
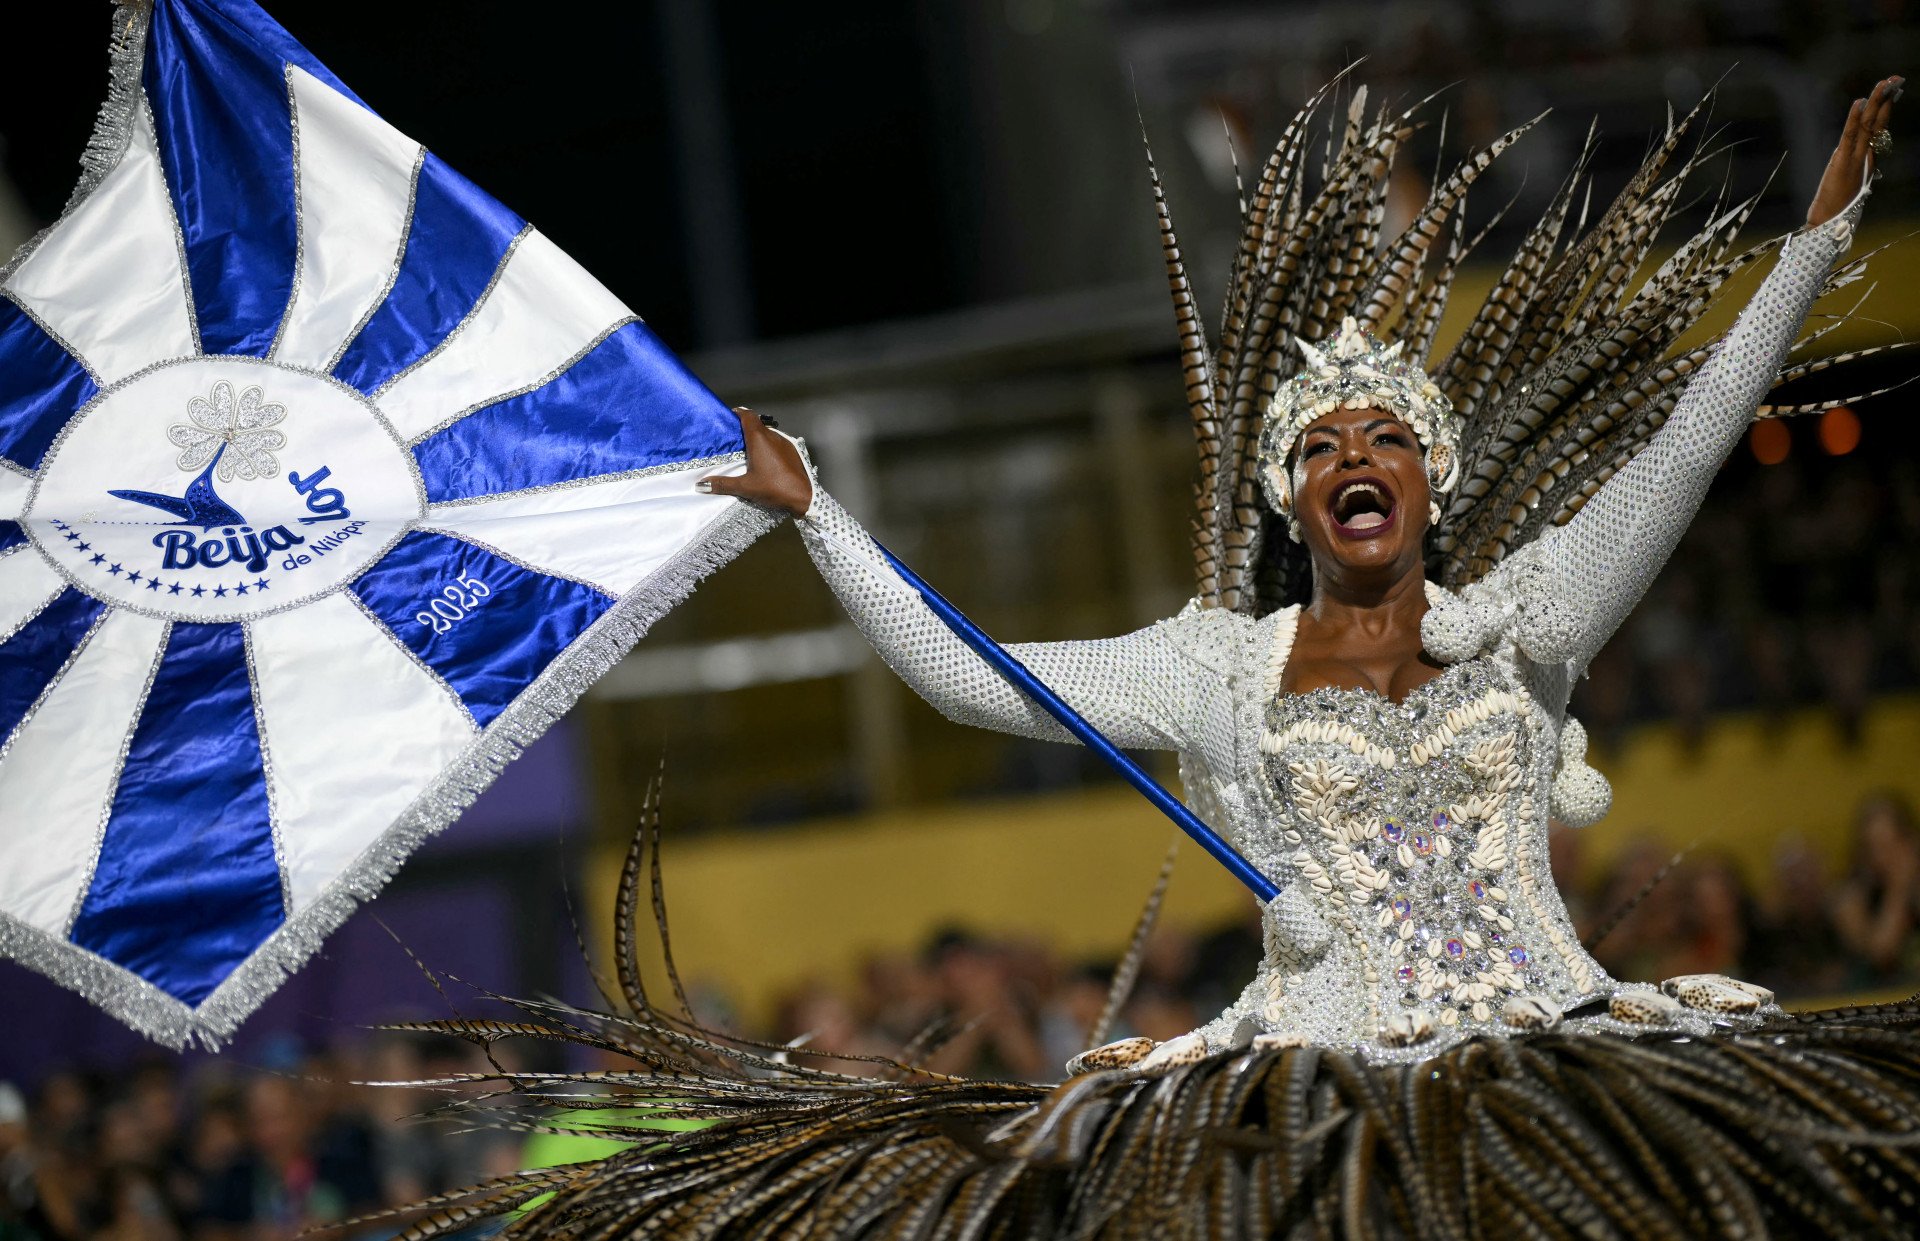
(1411, 854)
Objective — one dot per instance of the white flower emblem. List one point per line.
(244, 425)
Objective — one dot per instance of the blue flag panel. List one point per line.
(219, 95)
(224, 530)
(454, 246)
(582, 424)
(41, 385)
(511, 622)
(32, 657)
(187, 884)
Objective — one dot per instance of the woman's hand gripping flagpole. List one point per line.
(777, 478)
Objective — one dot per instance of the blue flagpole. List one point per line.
(1088, 735)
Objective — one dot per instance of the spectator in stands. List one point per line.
(1224, 960)
(1159, 1012)
(1071, 1011)
(1877, 911)
(825, 1017)
(1795, 948)
(996, 1033)
(1639, 913)
(902, 997)
(413, 1158)
(289, 1192)
(134, 1207)
(1716, 918)
(60, 1155)
(19, 1204)
(217, 1194)
(133, 1158)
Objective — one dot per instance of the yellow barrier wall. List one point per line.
(760, 912)
(1749, 783)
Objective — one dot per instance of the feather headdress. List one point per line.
(1562, 374)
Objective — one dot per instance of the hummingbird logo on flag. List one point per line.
(420, 444)
(218, 423)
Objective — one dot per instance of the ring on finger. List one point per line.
(1881, 143)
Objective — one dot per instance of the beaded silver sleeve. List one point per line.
(1151, 689)
(1584, 578)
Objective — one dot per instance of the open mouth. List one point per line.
(1362, 507)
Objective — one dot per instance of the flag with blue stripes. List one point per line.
(326, 484)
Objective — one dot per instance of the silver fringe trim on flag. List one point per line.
(166, 1020)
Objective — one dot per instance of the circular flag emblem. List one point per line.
(221, 488)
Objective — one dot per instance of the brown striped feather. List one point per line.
(1125, 974)
(1196, 371)
(1259, 225)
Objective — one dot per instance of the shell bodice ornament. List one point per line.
(1418, 826)
(1417, 831)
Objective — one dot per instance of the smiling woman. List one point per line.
(1353, 451)
(1369, 697)
(1390, 751)
(1361, 505)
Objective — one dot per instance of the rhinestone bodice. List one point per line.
(1417, 828)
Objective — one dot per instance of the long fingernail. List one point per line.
(704, 486)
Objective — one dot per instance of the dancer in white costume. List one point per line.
(1369, 697)
(1391, 751)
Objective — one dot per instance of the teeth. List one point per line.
(1341, 496)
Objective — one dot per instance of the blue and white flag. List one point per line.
(326, 484)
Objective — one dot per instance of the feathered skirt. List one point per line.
(1808, 1126)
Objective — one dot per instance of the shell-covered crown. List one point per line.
(1357, 372)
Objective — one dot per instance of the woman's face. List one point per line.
(1360, 490)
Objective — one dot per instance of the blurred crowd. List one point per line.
(1805, 932)
(1799, 583)
(209, 1150)
(1014, 1009)
(213, 1150)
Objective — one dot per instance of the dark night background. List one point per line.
(836, 153)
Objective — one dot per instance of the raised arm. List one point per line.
(1142, 690)
(1586, 577)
